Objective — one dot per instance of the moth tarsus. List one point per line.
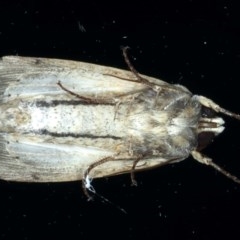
(86, 183)
(46, 135)
(133, 180)
(86, 186)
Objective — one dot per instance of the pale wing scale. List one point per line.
(43, 162)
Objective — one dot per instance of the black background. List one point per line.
(190, 42)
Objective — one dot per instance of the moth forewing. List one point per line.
(31, 160)
(36, 76)
(63, 120)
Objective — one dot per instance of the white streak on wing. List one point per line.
(54, 153)
(25, 159)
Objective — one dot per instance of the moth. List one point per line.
(63, 120)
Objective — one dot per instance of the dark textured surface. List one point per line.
(194, 43)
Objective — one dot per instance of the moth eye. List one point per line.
(207, 112)
(204, 139)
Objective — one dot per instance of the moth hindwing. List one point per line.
(62, 120)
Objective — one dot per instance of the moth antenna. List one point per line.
(208, 161)
(210, 104)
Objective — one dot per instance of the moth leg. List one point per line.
(86, 185)
(132, 174)
(135, 162)
(208, 161)
(210, 104)
(85, 99)
(117, 102)
(134, 71)
(88, 100)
